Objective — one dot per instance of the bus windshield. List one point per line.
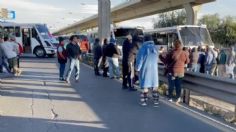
(121, 33)
(43, 30)
(195, 36)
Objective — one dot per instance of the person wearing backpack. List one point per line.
(62, 58)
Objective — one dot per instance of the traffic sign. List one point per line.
(11, 15)
(4, 13)
(7, 14)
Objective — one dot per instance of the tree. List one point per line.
(169, 19)
(223, 31)
(212, 21)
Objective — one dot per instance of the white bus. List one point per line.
(118, 33)
(189, 35)
(34, 38)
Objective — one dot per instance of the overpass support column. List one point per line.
(191, 12)
(104, 18)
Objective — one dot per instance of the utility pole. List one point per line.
(104, 19)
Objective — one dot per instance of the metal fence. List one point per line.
(218, 88)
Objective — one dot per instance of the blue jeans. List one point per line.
(73, 63)
(195, 68)
(62, 69)
(5, 65)
(114, 69)
(174, 82)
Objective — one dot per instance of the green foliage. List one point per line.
(222, 30)
(169, 19)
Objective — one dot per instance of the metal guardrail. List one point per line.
(218, 88)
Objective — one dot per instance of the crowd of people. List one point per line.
(140, 59)
(211, 61)
(10, 52)
(139, 63)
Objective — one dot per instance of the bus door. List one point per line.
(26, 39)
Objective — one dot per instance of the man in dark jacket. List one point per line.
(105, 64)
(73, 53)
(126, 69)
(97, 54)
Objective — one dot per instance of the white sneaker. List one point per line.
(67, 81)
(171, 100)
(178, 100)
(143, 103)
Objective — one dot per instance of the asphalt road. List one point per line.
(38, 102)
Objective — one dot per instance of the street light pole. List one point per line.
(104, 19)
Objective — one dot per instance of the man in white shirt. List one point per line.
(10, 50)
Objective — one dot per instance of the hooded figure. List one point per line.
(147, 66)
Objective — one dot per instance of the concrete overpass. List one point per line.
(136, 9)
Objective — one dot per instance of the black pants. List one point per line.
(96, 67)
(126, 75)
(18, 61)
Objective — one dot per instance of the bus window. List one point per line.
(17, 32)
(43, 30)
(35, 35)
(9, 30)
(162, 39)
(195, 36)
(171, 38)
(13, 30)
(121, 33)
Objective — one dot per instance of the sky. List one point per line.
(60, 13)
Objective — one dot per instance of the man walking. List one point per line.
(10, 50)
(73, 53)
(3, 63)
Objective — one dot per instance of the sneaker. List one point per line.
(105, 75)
(144, 103)
(156, 103)
(77, 80)
(171, 100)
(178, 101)
(67, 81)
(132, 89)
(124, 87)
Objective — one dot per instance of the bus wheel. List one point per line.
(40, 52)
